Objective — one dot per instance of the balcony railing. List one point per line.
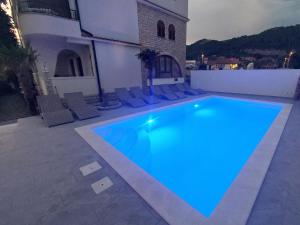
(47, 8)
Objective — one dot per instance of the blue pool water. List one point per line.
(195, 149)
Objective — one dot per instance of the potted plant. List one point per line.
(148, 58)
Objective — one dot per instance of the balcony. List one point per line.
(48, 8)
(55, 18)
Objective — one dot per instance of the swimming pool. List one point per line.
(193, 161)
(196, 149)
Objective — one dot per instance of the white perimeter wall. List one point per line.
(281, 83)
(118, 66)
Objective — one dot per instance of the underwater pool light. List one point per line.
(196, 106)
(150, 121)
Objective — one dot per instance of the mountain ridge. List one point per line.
(282, 39)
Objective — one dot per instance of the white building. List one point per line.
(83, 45)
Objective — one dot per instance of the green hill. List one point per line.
(280, 40)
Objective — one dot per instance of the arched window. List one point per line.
(68, 64)
(161, 29)
(172, 32)
(167, 67)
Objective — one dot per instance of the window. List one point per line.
(80, 68)
(161, 29)
(72, 66)
(68, 64)
(167, 67)
(172, 32)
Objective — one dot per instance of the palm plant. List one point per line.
(148, 58)
(7, 28)
(21, 62)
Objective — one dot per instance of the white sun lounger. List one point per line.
(125, 97)
(159, 93)
(165, 88)
(188, 90)
(138, 93)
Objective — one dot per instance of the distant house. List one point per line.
(267, 63)
(191, 64)
(222, 63)
(92, 46)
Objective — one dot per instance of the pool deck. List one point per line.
(40, 180)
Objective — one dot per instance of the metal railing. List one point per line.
(47, 8)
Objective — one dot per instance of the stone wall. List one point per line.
(147, 19)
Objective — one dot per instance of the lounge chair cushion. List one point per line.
(151, 100)
(188, 90)
(168, 96)
(49, 103)
(57, 118)
(168, 90)
(79, 107)
(52, 110)
(138, 92)
(180, 94)
(135, 102)
(188, 87)
(181, 87)
(126, 98)
(75, 99)
(85, 112)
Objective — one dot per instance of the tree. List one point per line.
(16, 62)
(148, 57)
(295, 61)
(7, 36)
(20, 61)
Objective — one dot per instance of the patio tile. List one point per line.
(128, 213)
(291, 218)
(162, 222)
(266, 217)
(72, 216)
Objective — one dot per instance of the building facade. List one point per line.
(164, 31)
(92, 46)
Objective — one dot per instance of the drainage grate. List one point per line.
(90, 168)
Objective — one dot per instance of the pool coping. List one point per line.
(237, 202)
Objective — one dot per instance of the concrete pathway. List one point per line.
(278, 202)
